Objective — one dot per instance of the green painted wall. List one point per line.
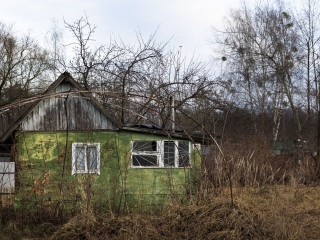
(44, 174)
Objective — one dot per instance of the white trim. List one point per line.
(176, 154)
(85, 171)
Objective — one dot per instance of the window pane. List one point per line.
(169, 153)
(183, 148)
(80, 158)
(149, 146)
(144, 160)
(92, 158)
(5, 159)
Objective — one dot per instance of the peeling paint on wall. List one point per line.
(45, 163)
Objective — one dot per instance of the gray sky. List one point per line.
(187, 23)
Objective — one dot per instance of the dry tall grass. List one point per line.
(250, 163)
(269, 212)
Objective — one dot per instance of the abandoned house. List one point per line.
(66, 149)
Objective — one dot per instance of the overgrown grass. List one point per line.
(268, 212)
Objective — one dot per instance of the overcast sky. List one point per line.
(187, 23)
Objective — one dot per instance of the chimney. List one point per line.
(172, 115)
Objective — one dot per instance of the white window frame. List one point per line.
(160, 154)
(156, 153)
(74, 160)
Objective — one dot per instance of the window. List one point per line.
(160, 154)
(85, 158)
(184, 153)
(169, 153)
(145, 153)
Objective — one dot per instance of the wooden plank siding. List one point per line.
(72, 112)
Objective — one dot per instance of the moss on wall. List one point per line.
(44, 173)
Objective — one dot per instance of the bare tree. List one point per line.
(310, 43)
(141, 77)
(261, 51)
(56, 49)
(133, 69)
(22, 62)
(88, 58)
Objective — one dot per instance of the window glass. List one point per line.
(147, 146)
(183, 148)
(145, 160)
(168, 153)
(145, 154)
(80, 158)
(92, 158)
(5, 159)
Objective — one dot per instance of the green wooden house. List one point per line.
(67, 150)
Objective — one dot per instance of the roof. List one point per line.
(155, 130)
(65, 77)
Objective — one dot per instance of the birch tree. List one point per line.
(260, 47)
